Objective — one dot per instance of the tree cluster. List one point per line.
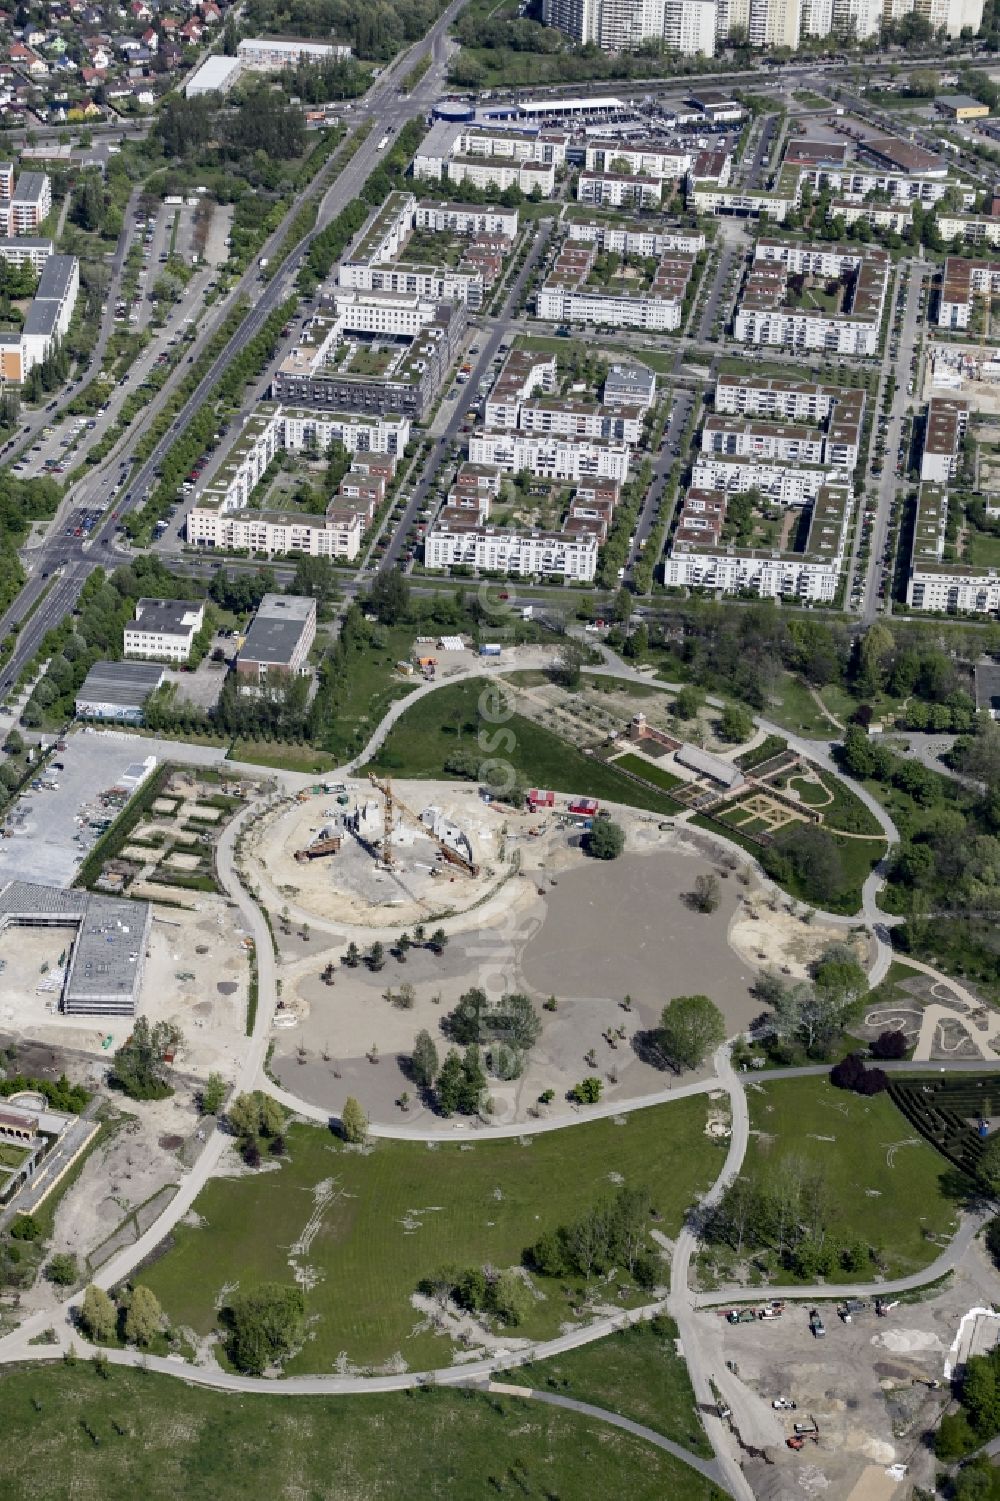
(503, 1295)
(789, 1210)
(691, 1027)
(810, 1015)
(613, 1233)
(851, 1073)
(264, 1324)
(138, 1067)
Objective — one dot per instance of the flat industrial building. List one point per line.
(118, 691)
(108, 951)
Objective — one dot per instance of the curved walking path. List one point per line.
(711, 1469)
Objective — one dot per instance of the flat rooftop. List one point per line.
(105, 964)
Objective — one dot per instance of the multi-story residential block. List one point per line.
(619, 190)
(612, 25)
(26, 252)
(935, 584)
(707, 197)
(463, 541)
(630, 385)
(772, 312)
(466, 219)
(637, 159)
(944, 433)
(962, 282)
(551, 456)
(629, 238)
(701, 558)
(837, 413)
(570, 295)
(790, 487)
(854, 184)
(164, 629)
(381, 352)
(774, 23)
(974, 229)
(487, 157)
(25, 211)
(273, 54)
(897, 217)
(47, 318)
(689, 27)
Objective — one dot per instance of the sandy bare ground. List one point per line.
(776, 939)
(565, 930)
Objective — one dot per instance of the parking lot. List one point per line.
(50, 828)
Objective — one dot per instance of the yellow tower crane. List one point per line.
(393, 802)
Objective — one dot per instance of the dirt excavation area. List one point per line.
(865, 1385)
(554, 925)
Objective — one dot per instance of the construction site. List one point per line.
(374, 852)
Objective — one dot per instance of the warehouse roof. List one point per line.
(124, 683)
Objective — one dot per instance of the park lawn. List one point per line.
(636, 1373)
(372, 684)
(840, 806)
(982, 549)
(443, 723)
(649, 770)
(793, 707)
(404, 1210)
(813, 794)
(859, 857)
(178, 1441)
(281, 756)
(896, 1201)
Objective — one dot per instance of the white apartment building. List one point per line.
(398, 315)
(855, 184)
(962, 282)
(26, 252)
(767, 396)
(951, 16)
(811, 576)
(774, 23)
(752, 438)
(550, 456)
(569, 305)
(977, 229)
(619, 190)
(744, 425)
(613, 25)
(627, 239)
(734, 475)
(766, 316)
(297, 429)
(580, 419)
(689, 27)
(276, 533)
(944, 433)
(716, 198)
(856, 19)
(817, 17)
(793, 329)
(495, 172)
(879, 215)
(523, 553)
(939, 586)
(466, 219)
(164, 629)
(272, 54)
(446, 143)
(439, 284)
(639, 160)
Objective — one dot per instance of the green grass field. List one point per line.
(61, 1443)
(282, 757)
(649, 770)
(893, 1199)
(637, 1373)
(445, 722)
(404, 1210)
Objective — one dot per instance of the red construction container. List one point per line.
(584, 807)
(537, 798)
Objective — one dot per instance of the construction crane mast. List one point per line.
(394, 802)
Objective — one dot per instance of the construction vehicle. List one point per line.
(809, 1429)
(328, 843)
(394, 803)
(740, 1316)
(816, 1325)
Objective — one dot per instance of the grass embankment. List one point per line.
(449, 721)
(891, 1189)
(405, 1210)
(637, 1373)
(139, 1434)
